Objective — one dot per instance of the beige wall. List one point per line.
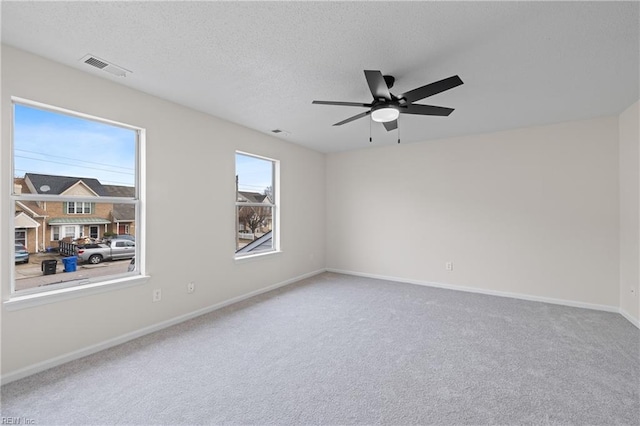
(532, 211)
(182, 145)
(629, 124)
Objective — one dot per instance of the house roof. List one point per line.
(32, 208)
(123, 213)
(59, 184)
(251, 197)
(79, 221)
(22, 220)
(120, 191)
(263, 243)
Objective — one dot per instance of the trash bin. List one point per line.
(70, 263)
(48, 267)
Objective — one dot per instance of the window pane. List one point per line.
(66, 156)
(21, 237)
(255, 226)
(255, 204)
(92, 239)
(55, 144)
(254, 179)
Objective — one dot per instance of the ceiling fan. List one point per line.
(386, 107)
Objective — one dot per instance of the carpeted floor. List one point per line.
(337, 349)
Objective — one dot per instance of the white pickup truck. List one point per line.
(111, 250)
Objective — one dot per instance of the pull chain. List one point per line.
(398, 124)
(370, 120)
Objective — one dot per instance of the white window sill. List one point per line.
(257, 256)
(36, 299)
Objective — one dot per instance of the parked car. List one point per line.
(121, 237)
(22, 255)
(113, 249)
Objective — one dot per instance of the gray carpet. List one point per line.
(335, 349)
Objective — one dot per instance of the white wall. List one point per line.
(629, 123)
(542, 211)
(191, 184)
(531, 211)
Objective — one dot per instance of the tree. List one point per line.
(268, 191)
(253, 217)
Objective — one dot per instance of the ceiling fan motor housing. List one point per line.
(383, 112)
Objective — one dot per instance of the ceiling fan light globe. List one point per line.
(384, 115)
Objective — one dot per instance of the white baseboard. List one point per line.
(564, 302)
(63, 359)
(628, 317)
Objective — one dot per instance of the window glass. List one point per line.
(74, 188)
(21, 237)
(255, 204)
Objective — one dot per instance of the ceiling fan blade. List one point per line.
(377, 85)
(355, 117)
(432, 89)
(426, 110)
(391, 125)
(358, 104)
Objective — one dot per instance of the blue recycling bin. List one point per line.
(70, 263)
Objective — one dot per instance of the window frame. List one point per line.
(274, 205)
(79, 287)
(79, 207)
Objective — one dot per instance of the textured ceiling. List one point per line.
(260, 64)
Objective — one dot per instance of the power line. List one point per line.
(251, 187)
(73, 159)
(74, 165)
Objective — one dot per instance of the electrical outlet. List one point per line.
(449, 266)
(191, 287)
(633, 291)
(157, 295)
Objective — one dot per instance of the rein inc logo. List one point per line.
(17, 421)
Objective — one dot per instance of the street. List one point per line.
(30, 275)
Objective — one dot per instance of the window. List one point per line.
(93, 232)
(78, 199)
(256, 204)
(71, 232)
(55, 233)
(21, 237)
(75, 207)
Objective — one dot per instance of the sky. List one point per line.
(254, 174)
(52, 143)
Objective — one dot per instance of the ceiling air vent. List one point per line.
(284, 132)
(105, 66)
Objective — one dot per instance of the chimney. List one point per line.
(17, 189)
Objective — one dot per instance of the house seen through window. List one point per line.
(256, 207)
(75, 195)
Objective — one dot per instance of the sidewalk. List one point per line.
(30, 275)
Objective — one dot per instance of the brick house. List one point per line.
(123, 216)
(40, 225)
